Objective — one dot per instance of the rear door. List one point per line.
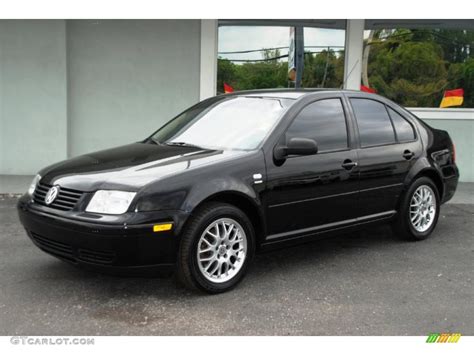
(316, 192)
(388, 147)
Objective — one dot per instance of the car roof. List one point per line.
(292, 94)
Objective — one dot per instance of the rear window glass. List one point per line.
(403, 128)
(373, 122)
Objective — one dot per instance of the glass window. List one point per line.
(252, 57)
(415, 66)
(256, 57)
(323, 57)
(403, 128)
(231, 123)
(324, 121)
(373, 122)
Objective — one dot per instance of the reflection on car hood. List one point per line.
(130, 166)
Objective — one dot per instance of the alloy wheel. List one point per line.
(221, 250)
(422, 208)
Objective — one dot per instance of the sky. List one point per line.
(238, 38)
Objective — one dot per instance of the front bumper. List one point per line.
(120, 248)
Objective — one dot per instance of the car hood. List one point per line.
(130, 167)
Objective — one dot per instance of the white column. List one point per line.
(208, 75)
(353, 54)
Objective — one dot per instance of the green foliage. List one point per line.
(411, 67)
(226, 73)
(456, 44)
(466, 82)
(262, 75)
(274, 73)
(415, 67)
(247, 76)
(323, 69)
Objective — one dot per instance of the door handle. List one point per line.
(348, 164)
(408, 154)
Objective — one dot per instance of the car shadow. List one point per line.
(326, 250)
(310, 254)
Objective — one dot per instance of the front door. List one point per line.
(306, 194)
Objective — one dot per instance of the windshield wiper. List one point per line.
(151, 140)
(182, 144)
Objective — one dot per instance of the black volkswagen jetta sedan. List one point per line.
(239, 173)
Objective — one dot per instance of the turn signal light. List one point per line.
(162, 227)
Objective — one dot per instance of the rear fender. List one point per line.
(422, 168)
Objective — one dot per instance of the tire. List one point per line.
(411, 224)
(201, 240)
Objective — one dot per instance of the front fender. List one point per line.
(186, 191)
(208, 189)
(187, 200)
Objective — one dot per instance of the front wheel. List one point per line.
(419, 210)
(216, 248)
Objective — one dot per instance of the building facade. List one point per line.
(68, 87)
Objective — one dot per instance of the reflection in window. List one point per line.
(324, 58)
(252, 57)
(414, 67)
(256, 57)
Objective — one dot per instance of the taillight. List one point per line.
(454, 153)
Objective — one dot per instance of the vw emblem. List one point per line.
(51, 195)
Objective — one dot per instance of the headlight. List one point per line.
(110, 202)
(34, 183)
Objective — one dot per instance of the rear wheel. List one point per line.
(419, 210)
(216, 248)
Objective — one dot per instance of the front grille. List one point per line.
(70, 253)
(65, 201)
(53, 247)
(95, 256)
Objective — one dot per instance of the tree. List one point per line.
(253, 75)
(415, 67)
(226, 73)
(410, 73)
(461, 75)
(411, 67)
(323, 69)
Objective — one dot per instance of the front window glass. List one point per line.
(324, 121)
(234, 123)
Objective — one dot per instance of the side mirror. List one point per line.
(296, 146)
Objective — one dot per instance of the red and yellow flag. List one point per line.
(228, 89)
(452, 98)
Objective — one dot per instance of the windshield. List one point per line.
(234, 123)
